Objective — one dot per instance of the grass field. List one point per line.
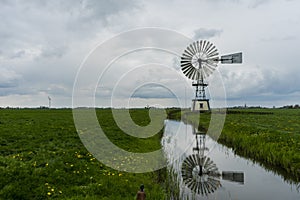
(41, 156)
(270, 136)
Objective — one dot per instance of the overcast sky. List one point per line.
(43, 44)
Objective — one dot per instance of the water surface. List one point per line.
(229, 176)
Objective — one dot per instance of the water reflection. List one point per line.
(200, 168)
(200, 173)
(224, 175)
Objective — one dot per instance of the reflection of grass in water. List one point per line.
(270, 136)
(41, 156)
(172, 184)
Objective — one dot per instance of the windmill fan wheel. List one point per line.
(200, 174)
(199, 60)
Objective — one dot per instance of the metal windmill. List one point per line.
(49, 99)
(200, 173)
(198, 61)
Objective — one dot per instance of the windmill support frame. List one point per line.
(200, 103)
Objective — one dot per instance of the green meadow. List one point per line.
(41, 157)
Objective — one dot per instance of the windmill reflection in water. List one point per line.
(200, 173)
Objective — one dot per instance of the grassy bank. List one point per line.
(41, 156)
(270, 136)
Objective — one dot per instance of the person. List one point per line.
(141, 195)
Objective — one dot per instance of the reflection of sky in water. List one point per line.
(178, 142)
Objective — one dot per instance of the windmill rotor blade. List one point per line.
(207, 47)
(195, 48)
(186, 58)
(198, 46)
(211, 49)
(186, 70)
(210, 46)
(187, 67)
(184, 62)
(189, 48)
(192, 74)
(213, 53)
(195, 75)
(189, 73)
(210, 67)
(189, 54)
(213, 60)
(204, 45)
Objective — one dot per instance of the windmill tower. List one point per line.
(198, 61)
(49, 99)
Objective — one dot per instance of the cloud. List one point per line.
(44, 42)
(18, 54)
(153, 91)
(56, 51)
(203, 33)
(9, 78)
(255, 84)
(280, 38)
(257, 3)
(52, 26)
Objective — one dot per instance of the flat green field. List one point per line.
(269, 136)
(41, 156)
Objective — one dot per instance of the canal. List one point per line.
(205, 169)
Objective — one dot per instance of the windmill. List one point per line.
(200, 173)
(49, 99)
(198, 61)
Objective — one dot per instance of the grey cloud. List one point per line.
(257, 3)
(57, 89)
(8, 78)
(203, 33)
(153, 91)
(18, 54)
(44, 25)
(104, 8)
(260, 84)
(54, 51)
(43, 43)
(252, 4)
(280, 38)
